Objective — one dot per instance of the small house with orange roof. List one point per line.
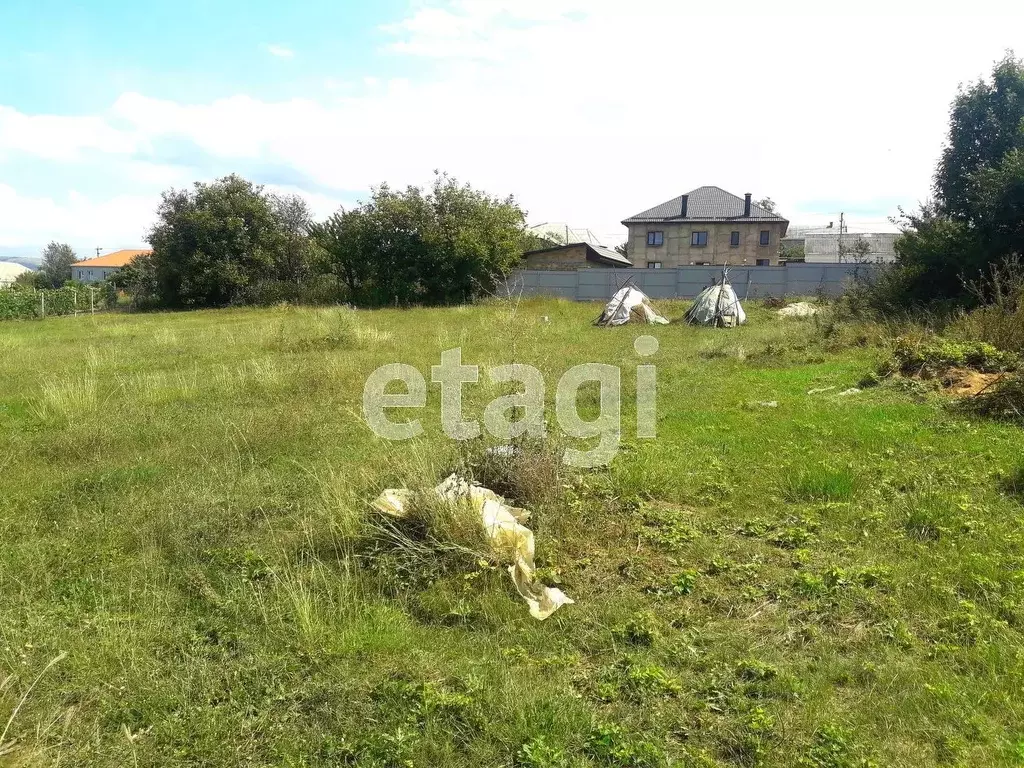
(104, 267)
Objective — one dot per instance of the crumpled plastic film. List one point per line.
(504, 527)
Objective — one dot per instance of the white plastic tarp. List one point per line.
(505, 529)
(620, 309)
(717, 302)
(800, 309)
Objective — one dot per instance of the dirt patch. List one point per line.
(965, 382)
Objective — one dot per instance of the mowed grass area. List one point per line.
(833, 581)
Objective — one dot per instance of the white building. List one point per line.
(833, 248)
(103, 267)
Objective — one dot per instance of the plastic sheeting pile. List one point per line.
(505, 529)
(620, 310)
(800, 309)
(717, 305)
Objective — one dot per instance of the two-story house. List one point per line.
(705, 226)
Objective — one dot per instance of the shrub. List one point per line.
(1000, 318)
(526, 472)
(932, 356)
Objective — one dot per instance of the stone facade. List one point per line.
(571, 257)
(575, 256)
(677, 249)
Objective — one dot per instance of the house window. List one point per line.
(734, 240)
(654, 265)
(766, 237)
(655, 239)
(90, 273)
(698, 239)
(764, 262)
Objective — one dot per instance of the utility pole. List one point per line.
(842, 225)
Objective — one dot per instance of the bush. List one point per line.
(526, 472)
(932, 356)
(1000, 319)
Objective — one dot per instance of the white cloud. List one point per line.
(592, 110)
(59, 137)
(118, 222)
(280, 51)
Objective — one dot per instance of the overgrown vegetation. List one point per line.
(24, 303)
(191, 572)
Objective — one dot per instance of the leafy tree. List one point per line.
(768, 204)
(56, 267)
(295, 219)
(623, 249)
(1000, 204)
(139, 280)
(986, 122)
(792, 252)
(448, 244)
(345, 239)
(854, 250)
(215, 240)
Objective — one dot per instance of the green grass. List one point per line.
(835, 581)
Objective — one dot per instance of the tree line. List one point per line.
(231, 242)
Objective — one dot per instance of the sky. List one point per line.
(588, 111)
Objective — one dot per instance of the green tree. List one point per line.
(344, 240)
(295, 219)
(56, 267)
(986, 122)
(448, 244)
(768, 204)
(139, 280)
(212, 242)
(1000, 204)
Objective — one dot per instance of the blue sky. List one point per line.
(587, 110)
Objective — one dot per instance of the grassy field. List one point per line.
(189, 573)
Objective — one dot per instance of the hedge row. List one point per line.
(22, 304)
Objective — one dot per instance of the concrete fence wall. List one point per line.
(687, 282)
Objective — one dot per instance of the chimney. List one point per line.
(746, 205)
(686, 199)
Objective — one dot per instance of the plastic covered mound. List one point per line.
(800, 309)
(717, 305)
(630, 304)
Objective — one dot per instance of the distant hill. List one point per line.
(25, 261)
(18, 256)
